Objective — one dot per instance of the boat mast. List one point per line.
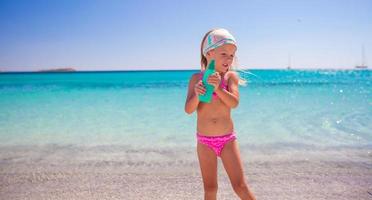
(363, 56)
(289, 61)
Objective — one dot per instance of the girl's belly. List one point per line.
(214, 126)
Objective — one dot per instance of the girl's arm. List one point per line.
(231, 97)
(195, 88)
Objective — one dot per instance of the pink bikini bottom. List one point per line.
(216, 143)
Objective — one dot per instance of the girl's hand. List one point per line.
(215, 80)
(199, 88)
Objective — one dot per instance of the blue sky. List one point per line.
(121, 35)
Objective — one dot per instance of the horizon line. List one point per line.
(75, 68)
(154, 70)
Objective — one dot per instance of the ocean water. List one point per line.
(145, 109)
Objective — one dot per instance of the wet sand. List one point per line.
(122, 172)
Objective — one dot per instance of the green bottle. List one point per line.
(207, 97)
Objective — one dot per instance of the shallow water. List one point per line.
(291, 108)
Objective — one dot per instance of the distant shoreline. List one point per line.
(68, 69)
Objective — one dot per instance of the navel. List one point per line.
(214, 120)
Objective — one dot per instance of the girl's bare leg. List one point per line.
(208, 166)
(233, 165)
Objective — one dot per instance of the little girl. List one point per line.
(215, 129)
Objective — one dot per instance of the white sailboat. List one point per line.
(289, 62)
(363, 65)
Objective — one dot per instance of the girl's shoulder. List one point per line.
(195, 77)
(231, 75)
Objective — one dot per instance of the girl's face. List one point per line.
(223, 56)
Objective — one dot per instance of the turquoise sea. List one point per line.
(145, 109)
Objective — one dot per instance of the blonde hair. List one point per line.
(204, 61)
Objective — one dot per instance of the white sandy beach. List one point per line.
(118, 172)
